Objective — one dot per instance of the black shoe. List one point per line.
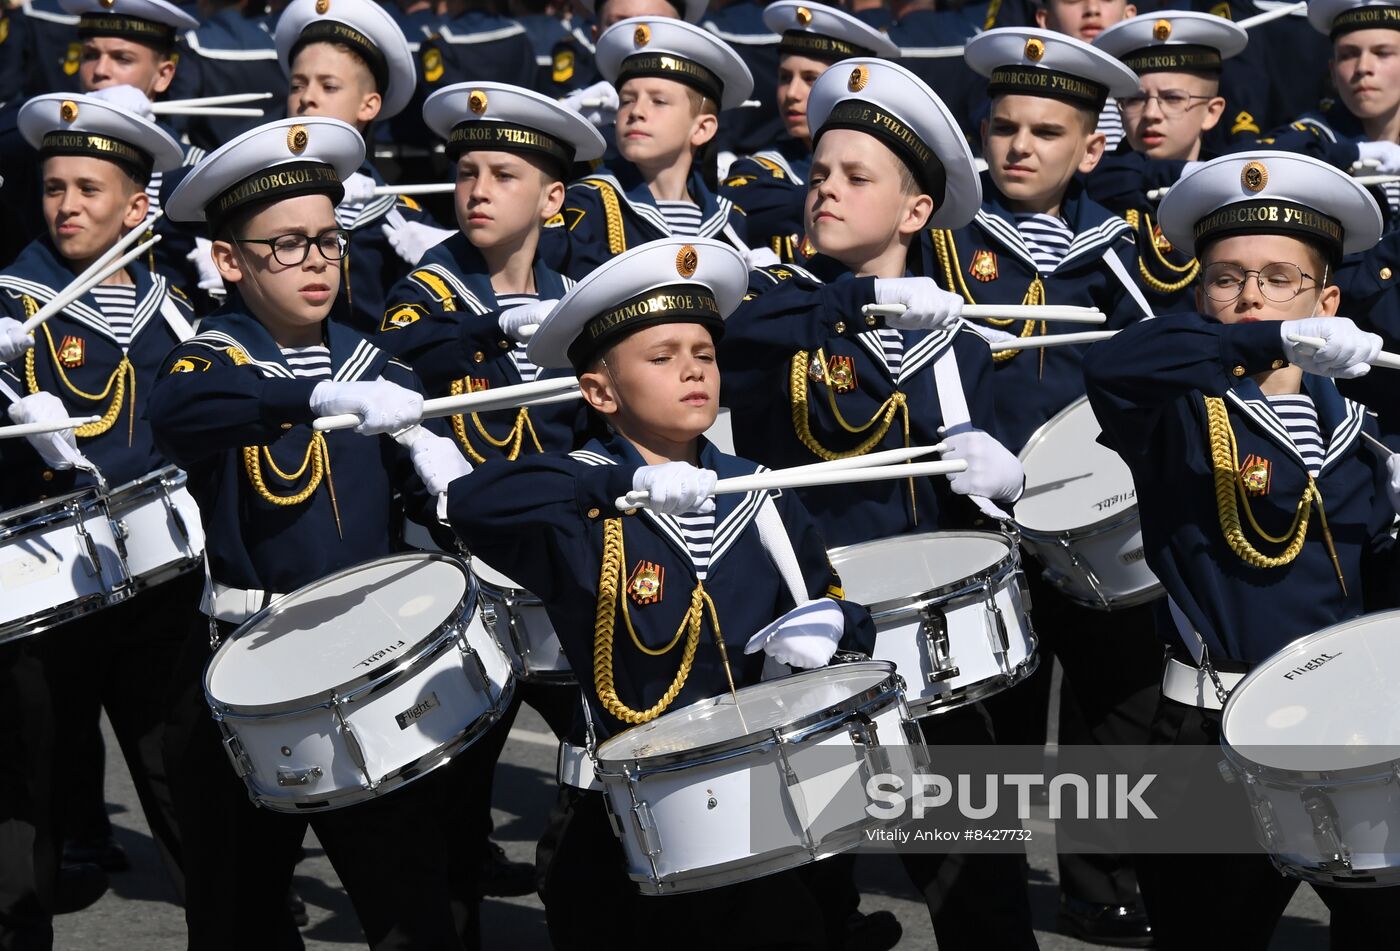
(106, 852)
(502, 878)
(1118, 926)
(877, 931)
(78, 886)
(296, 907)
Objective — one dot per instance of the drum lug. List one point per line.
(1318, 806)
(935, 632)
(863, 730)
(473, 664)
(1104, 601)
(233, 746)
(1001, 643)
(298, 777)
(352, 743)
(646, 826)
(177, 519)
(88, 548)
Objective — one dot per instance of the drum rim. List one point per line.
(1293, 776)
(629, 767)
(1069, 534)
(395, 665)
(171, 478)
(948, 593)
(43, 510)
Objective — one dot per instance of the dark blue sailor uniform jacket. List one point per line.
(229, 388)
(805, 379)
(1164, 391)
(543, 521)
(443, 321)
(612, 210)
(771, 187)
(76, 357)
(987, 262)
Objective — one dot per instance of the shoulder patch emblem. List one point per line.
(432, 64)
(1244, 122)
(4, 29)
(407, 202)
(190, 365)
(573, 216)
(563, 67)
(72, 57)
(397, 317)
(556, 222)
(737, 181)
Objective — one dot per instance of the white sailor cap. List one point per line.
(674, 280)
(70, 124)
(673, 49)
(1270, 193)
(691, 10)
(153, 22)
(282, 159)
(1023, 61)
(824, 33)
(889, 102)
(1173, 41)
(505, 118)
(365, 27)
(1338, 17)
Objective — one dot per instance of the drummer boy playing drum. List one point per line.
(659, 601)
(1265, 510)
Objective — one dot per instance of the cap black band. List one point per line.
(1271, 216)
(128, 28)
(1177, 58)
(1048, 84)
(817, 46)
(672, 304)
(903, 141)
(1365, 18)
(333, 31)
(135, 161)
(671, 66)
(490, 135)
(274, 184)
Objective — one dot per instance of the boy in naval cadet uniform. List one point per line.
(771, 184)
(98, 357)
(815, 380)
(672, 80)
(1233, 432)
(1084, 20)
(640, 333)
(1178, 56)
(284, 505)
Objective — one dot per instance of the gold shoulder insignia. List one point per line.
(563, 67)
(409, 203)
(736, 181)
(178, 292)
(432, 64)
(1244, 122)
(72, 59)
(556, 222)
(398, 317)
(836, 591)
(190, 365)
(1222, 10)
(573, 216)
(439, 288)
(4, 29)
(771, 165)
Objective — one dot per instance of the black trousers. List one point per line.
(1235, 901)
(590, 902)
(120, 659)
(26, 846)
(390, 853)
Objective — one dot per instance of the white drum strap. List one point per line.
(733, 236)
(1126, 279)
(176, 320)
(952, 401)
(1196, 645)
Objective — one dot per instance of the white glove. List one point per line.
(383, 407)
(14, 342)
(756, 258)
(42, 408)
(1347, 355)
(992, 471)
(992, 334)
(806, 636)
(438, 462)
(412, 239)
(519, 323)
(359, 189)
(597, 103)
(1384, 156)
(927, 306)
(202, 257)
(128, 99)
(675, 487)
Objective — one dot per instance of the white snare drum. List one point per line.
(1312, 733)
(522, 627)
(59, 559)
(1079, 514)
(951, 610)
(682, 790)
(357, 684)
(159, 525)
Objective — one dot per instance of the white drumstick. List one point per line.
(433, 188)
(1260, 19)
(1389, 361)
(181, 109)
(82, 285)
(505, 397)
(1050, 340)
(812, 477)
(1367, 181)
(1047, 312)
(599, 103)
(1379, 446)
(48, 426)
(232, 99)
(931, 52)
(883, 458)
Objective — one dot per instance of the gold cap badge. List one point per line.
(859, 77)
(109, 4)
(297, 138)
(1161, 30)
(68, 110)
(641, 35)
(476, 102)
(1034, 50)
(1254, 177)
(322, 6)
(804, 16)
(687, 260)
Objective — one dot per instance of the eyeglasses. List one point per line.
(1279, 283)
(292, 249)
(1172, 102)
